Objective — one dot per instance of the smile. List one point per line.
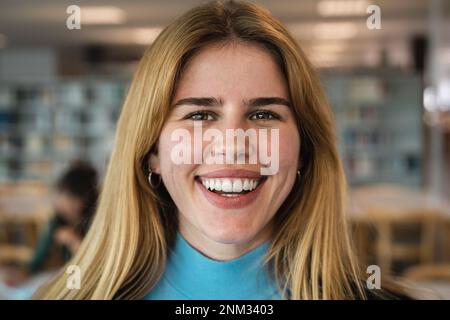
(231, 189)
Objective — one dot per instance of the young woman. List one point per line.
(210, 230)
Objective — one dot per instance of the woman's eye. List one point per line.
(200, 116)
(264, 115)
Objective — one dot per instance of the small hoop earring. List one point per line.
(150, 172)
(298, 173)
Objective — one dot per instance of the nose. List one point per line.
(237, 143)
(230, 149)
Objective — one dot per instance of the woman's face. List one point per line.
(225, 87)
(68, 205)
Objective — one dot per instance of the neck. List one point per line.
(219, 250)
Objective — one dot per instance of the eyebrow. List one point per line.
(213, 102)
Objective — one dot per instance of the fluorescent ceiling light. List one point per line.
(336, 30)
(335, 8)
(325, 57)
(329, 47)
(102, 15)
(429, 99)
(443, 93)
(145, 36)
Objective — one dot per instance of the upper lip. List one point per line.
(232, 173)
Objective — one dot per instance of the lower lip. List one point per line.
(235, 202)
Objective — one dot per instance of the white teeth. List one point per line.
(237, 186)
(218, 185)
(227, 185)
(246, 185)
(230, 184)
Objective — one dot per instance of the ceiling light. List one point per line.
(342, 8)
(329, 47)
(335, 30)
(145, 36)
(102, 15)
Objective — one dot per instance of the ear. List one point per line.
(153, 163)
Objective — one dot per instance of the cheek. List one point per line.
(60, 205)
(288, 148)
(165, 162)
(174, 174)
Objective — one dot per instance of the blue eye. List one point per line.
(264, 115)
(199, 116)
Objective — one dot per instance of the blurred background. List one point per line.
(388, 82)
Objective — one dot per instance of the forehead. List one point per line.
(236, 69)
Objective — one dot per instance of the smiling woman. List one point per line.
(221, 231)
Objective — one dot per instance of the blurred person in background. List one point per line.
(74, 206)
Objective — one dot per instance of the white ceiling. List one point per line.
(43, 23)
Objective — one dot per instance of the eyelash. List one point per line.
(272, 115)
(198, 113)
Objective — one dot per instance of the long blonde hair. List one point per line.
(124, 253)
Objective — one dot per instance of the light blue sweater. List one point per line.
(191, 275)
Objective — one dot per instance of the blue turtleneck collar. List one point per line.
(191, 275)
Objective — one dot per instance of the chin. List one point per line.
(231, 232)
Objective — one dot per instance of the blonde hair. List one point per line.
(124, 253)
